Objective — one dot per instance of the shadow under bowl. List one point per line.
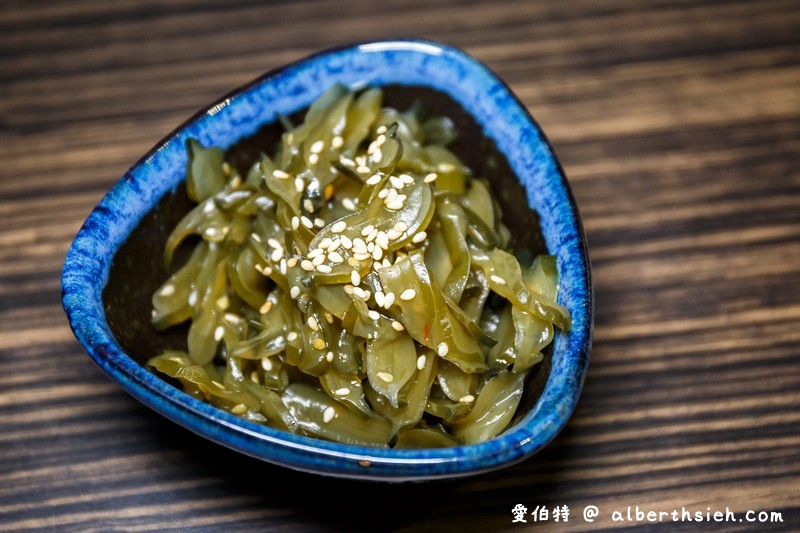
(116, 261)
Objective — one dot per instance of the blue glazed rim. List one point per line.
(286, 90)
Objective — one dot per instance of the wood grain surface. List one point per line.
(678, 124)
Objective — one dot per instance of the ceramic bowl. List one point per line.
(115, 261)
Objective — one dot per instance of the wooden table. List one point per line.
(678, 124)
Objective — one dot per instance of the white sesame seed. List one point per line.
(383, 193)
(377, 154)
(335, 257)
(419, 237)
(276, 255)
(266, 364)
(380, 140)
(370, 247)
(210, 232)
(208, 207)
(218, 384)
(344, 391)
(386, 262)
(325, 269)
(329, 357)
(372, 235)
(396, 182)
(319, 223)
(397, 326)
(193, 297)
(295, 223)
(346, 242)
(274, 244)
(313, 159)
(328, 414)
(307, 265)
(315, 252)
(324, 243)
(265, 308)
(401, 197)
(283, 266)
(374, 315)
(338, 226)
(230, 317)
(360, 293)
(408, 180)
(335, 244)
(218, 333)
(430, 178)
(167, 290)
(393, 234)
(408, 294)
(377, 253)
(337, 142)
(280, 174)
(497, 279)
(223, 302)
(239, 409)
(385, 376)
(379, 297)
(367, 230)
(388, 300)
(306, 222)
(377, 265)
(361, 256)
(359, 244)
(355, 278)
(363, 169)
(348, 289)
(353, 262)
(397, 205)
(400, 227)
(256, 237)
(381, 130)
(391, 196)
(374, 179)
(312, 323)
(348, 204)
(319, 259)
(299, 184)
(294, 292)
(347, 162)
(421, 360)
(382, 239)
(292, 262)
(328, 317)
(292, 336)
(317, 147)
(442, 349)
(254, 377)
(308, 205)
(469, 398)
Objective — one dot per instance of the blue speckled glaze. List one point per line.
(290, 89)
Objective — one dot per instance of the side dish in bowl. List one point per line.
(357, 285)
(374, 268)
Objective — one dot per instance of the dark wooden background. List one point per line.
(678, 124)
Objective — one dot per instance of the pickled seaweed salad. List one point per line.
(356, 284)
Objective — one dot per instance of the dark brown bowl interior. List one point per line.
(138, 268)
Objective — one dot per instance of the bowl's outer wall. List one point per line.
(288, 90)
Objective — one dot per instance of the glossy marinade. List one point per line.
(357, 283)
